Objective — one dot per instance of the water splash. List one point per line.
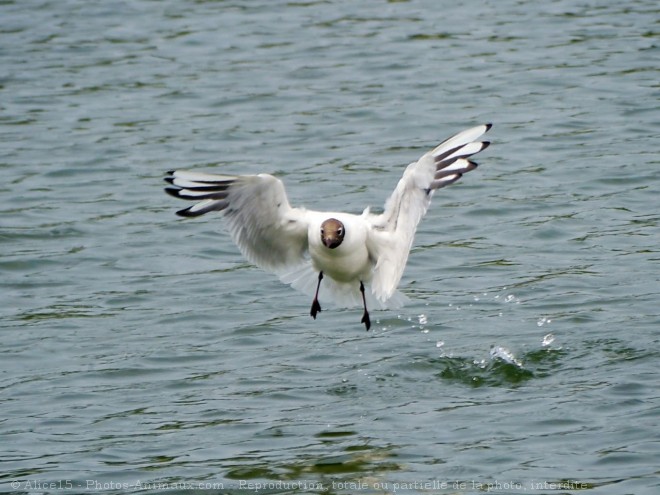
(547, 340)
(483, 372)
(510, 298)
(499, 352)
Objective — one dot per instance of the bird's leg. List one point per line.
(365, 316)
(316, 307)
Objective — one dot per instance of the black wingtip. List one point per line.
(187, 213)
(488, 126)
(485, 144)
(173, 191)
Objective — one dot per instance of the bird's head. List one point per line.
(332, 233)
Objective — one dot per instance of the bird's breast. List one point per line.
(344, 263)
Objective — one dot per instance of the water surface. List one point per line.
(141, 353)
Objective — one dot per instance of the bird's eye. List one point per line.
(340, 231)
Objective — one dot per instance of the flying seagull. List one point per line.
(346, 252)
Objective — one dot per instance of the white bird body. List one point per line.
(346, 250)
(350, 260)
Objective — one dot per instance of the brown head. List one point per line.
(332, 233)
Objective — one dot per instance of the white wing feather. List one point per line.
(262, 223)
(393, 231)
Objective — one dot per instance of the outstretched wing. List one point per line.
(393, 231)
(262, 223)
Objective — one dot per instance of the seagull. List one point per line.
(347, 252)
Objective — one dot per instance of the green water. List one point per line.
(141, 354)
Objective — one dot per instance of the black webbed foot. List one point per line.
(366, 320)
(365, 317)
(316, 307)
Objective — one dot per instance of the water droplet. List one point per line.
(547, 340)
(543, 321)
